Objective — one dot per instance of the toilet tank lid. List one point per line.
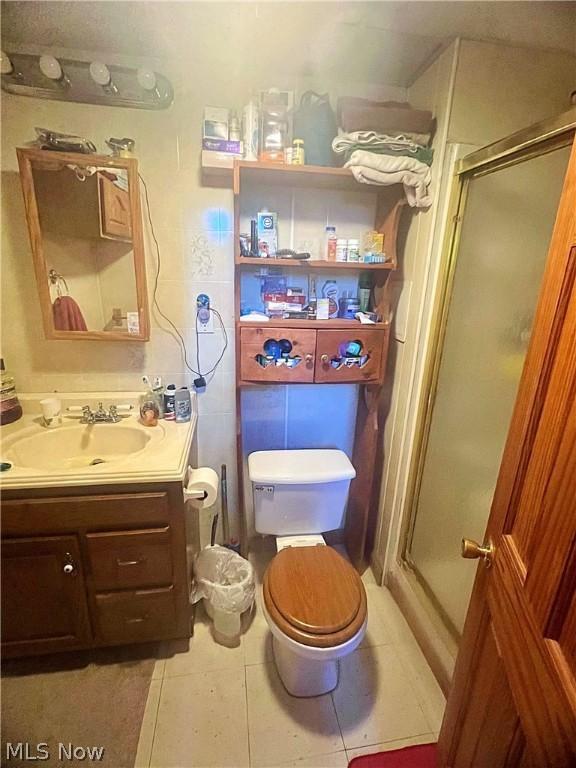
(300, 467)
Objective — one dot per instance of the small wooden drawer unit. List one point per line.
(279, 355)
(88, 567)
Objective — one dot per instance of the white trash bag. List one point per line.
(226, 582)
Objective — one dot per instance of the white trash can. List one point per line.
(226, 582)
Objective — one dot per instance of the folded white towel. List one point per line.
(371, 168)
(371, 139)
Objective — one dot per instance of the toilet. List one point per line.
(313, 599)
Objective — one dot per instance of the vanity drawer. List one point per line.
(252, 341)
(146, 614)
(125, 559)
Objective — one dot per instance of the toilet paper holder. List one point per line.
(195, 494)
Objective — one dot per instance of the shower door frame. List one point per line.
(539, 139)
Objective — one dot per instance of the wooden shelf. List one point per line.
(337, 324)
(315, 176)
(304, 264)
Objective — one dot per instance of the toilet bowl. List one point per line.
(315, 605)
(314, 600)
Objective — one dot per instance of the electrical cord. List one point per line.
(166, 318)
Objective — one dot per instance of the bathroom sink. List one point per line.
(77, 446)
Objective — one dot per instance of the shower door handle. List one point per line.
(471, 550)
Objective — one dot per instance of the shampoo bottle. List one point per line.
(182, 405)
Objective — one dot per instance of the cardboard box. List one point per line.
(215, 125)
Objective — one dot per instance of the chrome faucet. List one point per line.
(100, 415)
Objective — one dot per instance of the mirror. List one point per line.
(85, 229)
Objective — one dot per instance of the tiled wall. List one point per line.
(194, 229)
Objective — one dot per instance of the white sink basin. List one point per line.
(77, 446)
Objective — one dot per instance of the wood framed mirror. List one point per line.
(85, 226)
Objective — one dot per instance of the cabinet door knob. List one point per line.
(309, 358)
(69, 564)
(325, 359)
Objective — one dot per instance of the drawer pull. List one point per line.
(137, 619)
(123, 563)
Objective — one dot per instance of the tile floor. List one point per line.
(210, 705)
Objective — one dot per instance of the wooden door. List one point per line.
(513, 698)
(44, 605)
(334, 366)
(115, 211)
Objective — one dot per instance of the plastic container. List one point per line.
(341, 249)
(10, 408)
(330, 244)
(182, 405)
(353, 252)
(225, 581)
(169, 402)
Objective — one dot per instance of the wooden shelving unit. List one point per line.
(306, 264)
(327, 325)
(315, 340)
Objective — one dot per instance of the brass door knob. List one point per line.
(309, 358)
(325, 359)
(471, 550)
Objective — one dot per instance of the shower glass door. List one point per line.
(505, 231)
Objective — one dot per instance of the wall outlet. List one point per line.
(204, 317)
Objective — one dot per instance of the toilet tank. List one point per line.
(299, 491)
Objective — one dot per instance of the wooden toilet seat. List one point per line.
(314, 596)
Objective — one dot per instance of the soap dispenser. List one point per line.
(10, 408)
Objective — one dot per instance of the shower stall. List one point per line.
(504, 206)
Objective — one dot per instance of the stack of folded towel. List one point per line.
(393, 152)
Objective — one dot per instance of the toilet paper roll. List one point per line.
(201, 487)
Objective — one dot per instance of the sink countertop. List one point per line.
(165, 458)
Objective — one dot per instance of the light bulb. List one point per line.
(147, 79)
(100, 73)
(50, 67)
(5, 64)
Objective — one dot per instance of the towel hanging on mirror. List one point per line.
(68, 315)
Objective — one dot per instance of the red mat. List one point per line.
(419, 756)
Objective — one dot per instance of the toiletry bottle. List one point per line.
(158, 391)
(10, 408)
(364, 289)
(149, 413)
(330, 244)
(233, 128)
(250, 131)
(169, 405)
(182, 405)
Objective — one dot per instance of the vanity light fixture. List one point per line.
(100, 73)
(50, 68)
(147, 81)
(84, 82)
(6, 67)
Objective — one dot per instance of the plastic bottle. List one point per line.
(233, 128)
(298, 155)
(169, 402)
(330, 244)
(10, 408)
(182, 405)
(250, 131)
(353, 252)
(364, 290)
(341, 249)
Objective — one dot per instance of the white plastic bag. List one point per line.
(224, 578)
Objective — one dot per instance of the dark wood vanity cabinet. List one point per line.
(82, 568)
